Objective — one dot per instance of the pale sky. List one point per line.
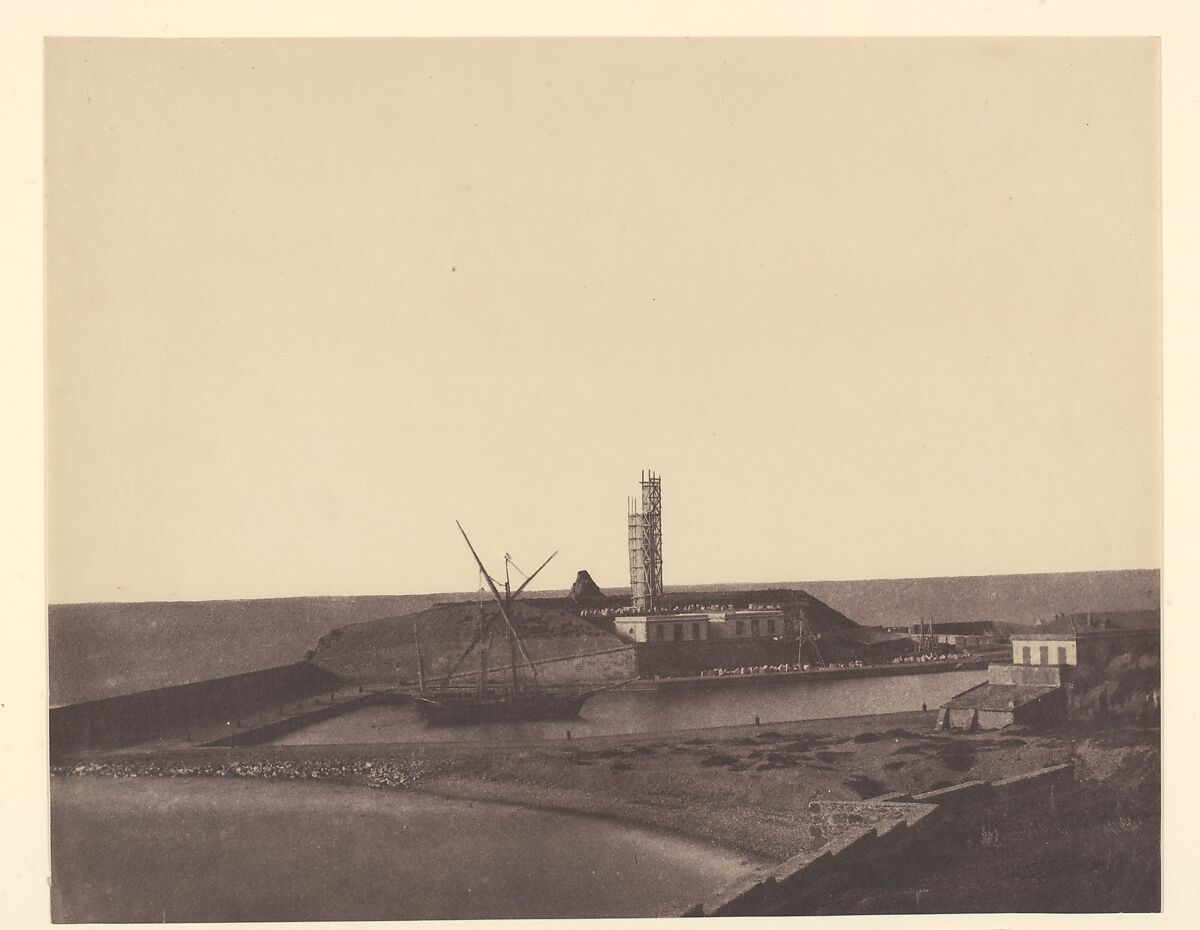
(877, 308)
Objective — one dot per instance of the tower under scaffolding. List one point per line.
(645, 543)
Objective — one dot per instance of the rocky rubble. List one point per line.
(389, 773)
(585, 592)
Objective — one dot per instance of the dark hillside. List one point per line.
(1016, 599)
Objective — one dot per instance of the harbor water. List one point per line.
(610, 713)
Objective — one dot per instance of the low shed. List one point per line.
(991, 706)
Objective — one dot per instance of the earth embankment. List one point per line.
(444, 640)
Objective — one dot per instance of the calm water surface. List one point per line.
(207, 849)
(772, 700)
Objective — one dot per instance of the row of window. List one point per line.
(1043, 655)
(677, 629)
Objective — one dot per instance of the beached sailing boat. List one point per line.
(490, 701)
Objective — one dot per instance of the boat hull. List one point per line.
(465, 710)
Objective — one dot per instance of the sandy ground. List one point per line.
(744, 788)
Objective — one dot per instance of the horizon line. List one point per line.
(751, 585)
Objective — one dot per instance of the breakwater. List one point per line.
(178, 711)
(688, 659)
(302, 718)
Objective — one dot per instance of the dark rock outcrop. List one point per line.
(585, 592)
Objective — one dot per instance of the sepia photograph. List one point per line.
(602, 477)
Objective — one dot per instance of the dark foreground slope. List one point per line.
(1095, 849)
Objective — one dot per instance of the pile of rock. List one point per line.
(386, 773)
(585, 592)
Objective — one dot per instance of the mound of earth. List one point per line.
(823, 619)
(562, 647)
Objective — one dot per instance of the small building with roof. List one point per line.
(1036, 687)
(663, 628)
(991, 706)
(1090, 646)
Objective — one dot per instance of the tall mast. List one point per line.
(512, 635)
(420, 660)
(483, 647)
(504, 603)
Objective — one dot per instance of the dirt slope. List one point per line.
(563, 647)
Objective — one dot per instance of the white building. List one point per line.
(701, 626)
(746, 624)
(1092, 647)
(664, 628)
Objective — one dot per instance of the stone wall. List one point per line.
(657, 660)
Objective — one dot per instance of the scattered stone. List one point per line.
(374, 774)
